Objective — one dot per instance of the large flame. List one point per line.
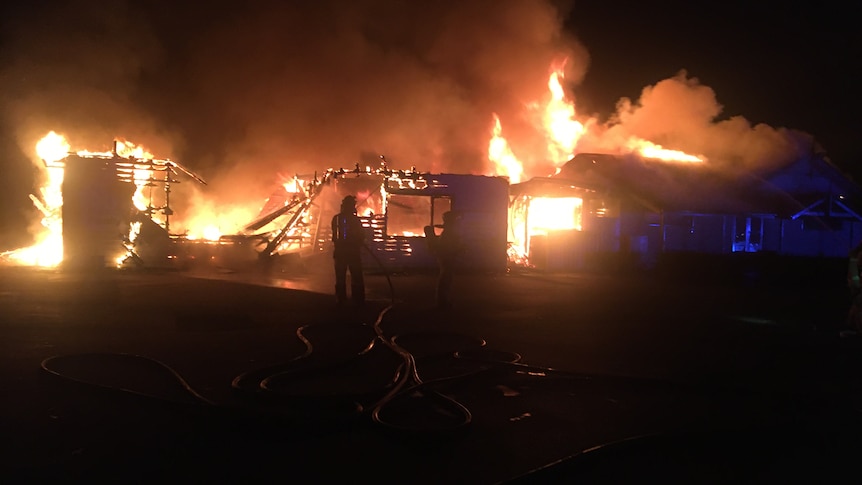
(501, 154)
(47, 251)
(553, 214)
(52, 149)
(210, 221)
(563, 130)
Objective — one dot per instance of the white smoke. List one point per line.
(682, 114)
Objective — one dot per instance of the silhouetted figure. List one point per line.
(854, 285)
(853, 270)
(348, 238)
(447, 248)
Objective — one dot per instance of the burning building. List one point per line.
(608, 206)
(555, 224)
(613, 193)
(394, 207)
(103, 209)
(114, 209)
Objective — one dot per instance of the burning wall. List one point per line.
(97, 209)
(100, 208)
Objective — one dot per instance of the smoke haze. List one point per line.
(241, 92)
(282, 86)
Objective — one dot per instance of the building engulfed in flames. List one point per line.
(113, 209)
(395, 204)
(102, 209)
(394, 207)
(550, 222)
(615, 210)
(634, 204)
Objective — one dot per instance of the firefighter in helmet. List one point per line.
(347, 239)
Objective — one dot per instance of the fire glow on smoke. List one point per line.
(557, 116)
(563, 130)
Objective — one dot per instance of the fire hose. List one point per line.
(272, 396)
(283, 390)
(273, 393)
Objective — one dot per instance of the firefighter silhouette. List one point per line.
(347, 239)
(854, 284)
(447, 248)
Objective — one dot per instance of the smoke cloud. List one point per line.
(682, 114)
(244, 93)
(241, 91)
(76, 68)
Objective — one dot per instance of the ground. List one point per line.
(657, 376)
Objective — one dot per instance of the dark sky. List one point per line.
(243, 91)
(786, 64)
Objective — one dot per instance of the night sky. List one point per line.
(245, 92)
(786, 64)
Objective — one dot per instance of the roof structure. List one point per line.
(679, 187)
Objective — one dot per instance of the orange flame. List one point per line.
(648, 149)
(499, 152)
(563, 130)
(293, 186)
(48, 248)
(52, 149)
(210, 222)
(130, 150)
(554, 213)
